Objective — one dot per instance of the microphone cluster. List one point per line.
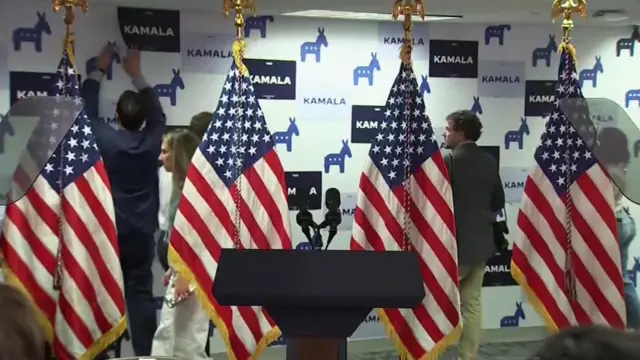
(332, 218)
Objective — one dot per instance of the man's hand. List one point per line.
(131, 63)
(105, 56)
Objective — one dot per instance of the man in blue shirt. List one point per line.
(130, 155)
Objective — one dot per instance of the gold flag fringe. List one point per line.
(538, 306)
(179, 265)
(439, 348)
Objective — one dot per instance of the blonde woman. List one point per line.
(184, 325)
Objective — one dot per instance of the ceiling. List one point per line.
(473, 11)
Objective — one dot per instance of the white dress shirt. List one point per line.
(164, 187)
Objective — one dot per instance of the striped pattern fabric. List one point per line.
(68, 211)
(568, 196)
(406, 150)
(235, 189)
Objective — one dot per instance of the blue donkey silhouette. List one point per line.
(257, 23)
(513, 320)
(6, 129)
(628, 43)
(286, 137)
(92, 64)
(495, 31)
(170, 90)
(476, 108)
(517, 136)
(631, 95)
(425, 88)
(591, 74)
(337, 159)
(32, 35)
(366, 71)
(545, 52)
(314, 47)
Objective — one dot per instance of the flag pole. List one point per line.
(68, 44)
(566, 8)
(239, 46)
(407, 8)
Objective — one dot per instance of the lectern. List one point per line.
(318, 298)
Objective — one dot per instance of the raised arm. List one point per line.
(156, 118)
(91, 94)
(91, 87)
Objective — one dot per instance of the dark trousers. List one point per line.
(136, 257)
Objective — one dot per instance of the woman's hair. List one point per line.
(21, 336)
(182, 144)
(590, 343)
(613, 147)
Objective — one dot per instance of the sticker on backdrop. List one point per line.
(348, 203)
(304, 186)
(501, 79)
(453, 59)
(26, 84)
(365, 123)
(150, 29)
(497, 271)
(273, 79)
(391, 38)
(513, 179)
(540, 97)
(204, 53)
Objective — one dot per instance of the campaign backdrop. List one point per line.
(322, 85)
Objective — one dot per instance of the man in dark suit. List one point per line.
(477, 195)
(130, 155)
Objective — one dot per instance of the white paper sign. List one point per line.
(204, 53)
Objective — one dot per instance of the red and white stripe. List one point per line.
(90, 303)
(378, 226)
(205, 224)
(539, 252)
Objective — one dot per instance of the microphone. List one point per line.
(333, 217)
(305, 220)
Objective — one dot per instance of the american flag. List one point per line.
(406, 152)
(235, 184)
(68, 211)
(568, 196)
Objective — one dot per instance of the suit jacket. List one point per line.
(131, 160)
(477, 195)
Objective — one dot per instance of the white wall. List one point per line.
(323, 127)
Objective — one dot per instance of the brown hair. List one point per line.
(21, 336)
(182, 144)
(590, 343)
(200, 123)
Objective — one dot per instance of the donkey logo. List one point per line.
(517, 136)
(314, 47)
(337, 159)
(32, 34)
(286, 137)
(170, 90)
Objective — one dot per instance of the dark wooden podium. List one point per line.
(318, 298)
